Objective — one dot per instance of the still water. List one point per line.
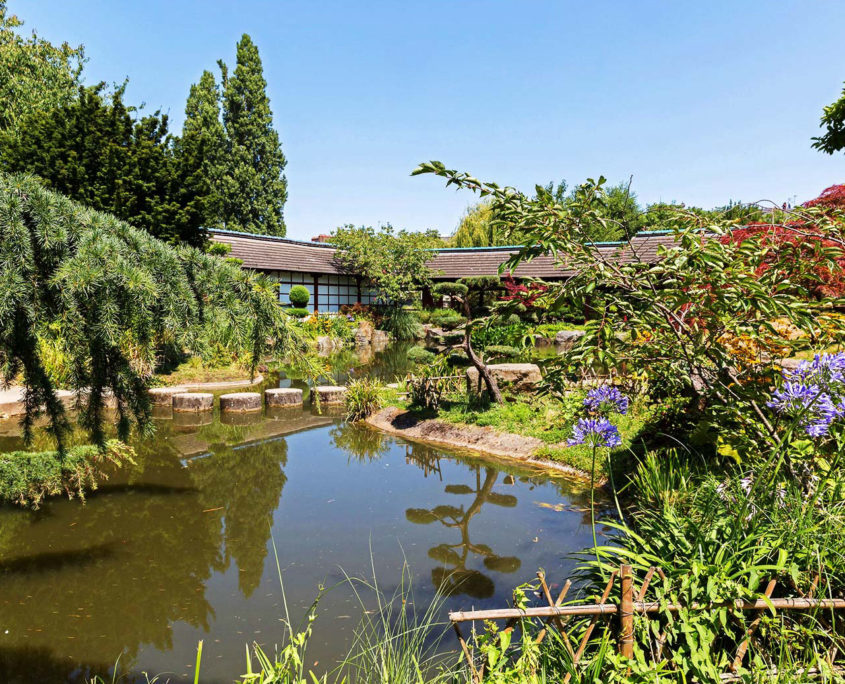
(179, 547)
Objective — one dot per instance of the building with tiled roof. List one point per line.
(313, 264)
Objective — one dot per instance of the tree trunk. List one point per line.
(481, 367)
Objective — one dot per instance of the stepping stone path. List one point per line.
(283, 396)
(193, 402)
(163, 396)
(330, 394)
(240, 402)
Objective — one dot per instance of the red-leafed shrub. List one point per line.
(799, 252)
(526, 294)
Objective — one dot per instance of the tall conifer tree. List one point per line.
(254, 188)
(200, 153)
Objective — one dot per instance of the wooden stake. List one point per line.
(588, 633)
(626, 613)
(743, 647)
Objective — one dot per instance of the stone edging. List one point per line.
(484, 441)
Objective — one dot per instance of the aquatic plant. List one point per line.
(363, 398)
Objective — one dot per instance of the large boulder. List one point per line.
(380, 339)
(566, 339)
(519, 377)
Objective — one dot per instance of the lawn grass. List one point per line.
(551, 420)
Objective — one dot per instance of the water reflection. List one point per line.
(453, 576)
(176, 548)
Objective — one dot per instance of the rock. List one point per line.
(331, 394)
(363, 333)
(380, 338)
(240, 402)
(520, 377)
(283, 396)
(193, 402)
(566, 339)
(541, 341)
(326, 345)
(163, 396)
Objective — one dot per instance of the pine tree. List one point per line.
(200, 154)
(254, 188)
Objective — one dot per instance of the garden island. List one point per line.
(580, 439)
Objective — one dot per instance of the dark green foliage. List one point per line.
(446, 318)
(201, 156)
(35, 75)
(420, 355)
(299, 296)
(119, 295)
(485, 282)
(501, 350)
(833, 119)
(449, 290)
(254, 189)
(27, 477)
(95, 150)
(297, 313)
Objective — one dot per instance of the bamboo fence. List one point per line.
(631, 603)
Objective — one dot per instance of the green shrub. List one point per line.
(449, 290)
(502, 350)
(363, 398)
(423, 315)
(446, 318)
(420, 355)
(299, 296)
(297, 313)
(458, 357)
(401, 323)
(26, 477)
(453, 337)
(511, 335)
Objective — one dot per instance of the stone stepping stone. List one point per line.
(283, 396)
(331, 394)
(163, 396)
(240, 402)
(193, 402)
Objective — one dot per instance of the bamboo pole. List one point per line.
(743, 647)
(643, 607)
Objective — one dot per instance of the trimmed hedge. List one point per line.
(297, 313)
(420, 355)
(299, 296)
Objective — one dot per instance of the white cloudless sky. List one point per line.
(700, 102)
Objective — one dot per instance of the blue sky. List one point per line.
(700, 102)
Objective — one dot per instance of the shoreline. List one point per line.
(483, 442)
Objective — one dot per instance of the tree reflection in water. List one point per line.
(453, 576)
(115, 575)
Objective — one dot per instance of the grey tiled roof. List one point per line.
(267, 253)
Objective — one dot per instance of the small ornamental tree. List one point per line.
(299, 296)
(394, 264)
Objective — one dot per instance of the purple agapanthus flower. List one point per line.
(606, 399)
(824, 370)
(595, 432)
(809, 404)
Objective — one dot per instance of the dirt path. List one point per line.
(503, 446)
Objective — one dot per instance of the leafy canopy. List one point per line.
(701, 322)
(395, 264)
(833, 121)
(117, 295)
(34, 74)
(96, 150)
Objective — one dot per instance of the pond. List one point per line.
(179, 547)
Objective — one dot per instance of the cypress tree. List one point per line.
(200, 153)
(254, 188)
